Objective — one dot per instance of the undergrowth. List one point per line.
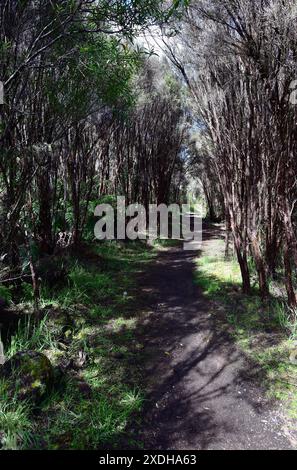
(87, 330)
(267, 332)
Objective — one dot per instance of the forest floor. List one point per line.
(154, 347)
(209, 374)
(86, 328)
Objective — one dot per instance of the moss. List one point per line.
(29, 374)
(88, 332)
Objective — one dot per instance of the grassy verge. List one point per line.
(88, 332)
(164, 244)
(263, 331)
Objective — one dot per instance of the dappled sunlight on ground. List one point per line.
(204, 392)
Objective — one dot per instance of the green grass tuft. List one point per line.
(31, 334)
(266, 332)
(91, 316)
(216, 275)
(15, 421)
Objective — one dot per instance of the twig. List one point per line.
(22, 276)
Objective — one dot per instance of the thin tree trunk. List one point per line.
(244, 269)
(288, 277)
(227, 236)
(260, 266)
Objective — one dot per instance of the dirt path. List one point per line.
(202, 395)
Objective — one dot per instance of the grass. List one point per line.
(267, 332)
(164, 243)
(216, 274)
(87, 330)
(15, 422)
(31, 335)
(74, 422)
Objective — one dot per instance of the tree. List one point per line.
(239, 62)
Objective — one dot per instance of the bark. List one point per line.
(227, 236)
(292, 301)
(260, 266)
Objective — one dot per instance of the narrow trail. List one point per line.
(204, 393)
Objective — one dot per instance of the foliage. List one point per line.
(31, 335)
(266, 332)
(5, 293)
(15, 423)
(72, 67)
(93, 403)
(244, 118)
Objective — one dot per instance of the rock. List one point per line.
(29, 375)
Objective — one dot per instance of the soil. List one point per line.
(204, 393)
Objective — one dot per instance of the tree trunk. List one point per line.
(288, 277)
(227, 236)
(244, 269)
(260, 266)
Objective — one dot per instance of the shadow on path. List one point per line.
(203, 391)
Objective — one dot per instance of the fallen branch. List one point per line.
(22, 276)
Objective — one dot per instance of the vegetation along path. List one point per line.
(204, 393)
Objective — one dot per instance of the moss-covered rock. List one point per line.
(29, 374)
